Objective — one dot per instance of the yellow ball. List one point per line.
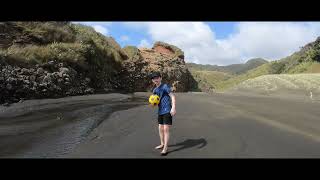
(154, 100)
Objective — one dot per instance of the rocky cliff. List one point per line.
(162, 57)
(58, 59)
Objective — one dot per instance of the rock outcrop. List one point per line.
(58, 59)
(163, 57)
(49, 80)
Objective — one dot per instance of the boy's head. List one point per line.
(156, 78)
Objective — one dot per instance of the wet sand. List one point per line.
(53, 127)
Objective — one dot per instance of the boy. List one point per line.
(167, 109)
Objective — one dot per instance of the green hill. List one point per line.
(231, 69)
(298, 72)
(218, 78)
(209, 81)
(306, 60)
(206, 67)
(243, 68)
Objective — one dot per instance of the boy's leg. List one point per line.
(167, 123)
(161, 134)
(166, 129)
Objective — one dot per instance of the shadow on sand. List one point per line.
(189, 143)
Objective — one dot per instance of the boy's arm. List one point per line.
(173, 102)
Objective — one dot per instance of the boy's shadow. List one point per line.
(188, 144)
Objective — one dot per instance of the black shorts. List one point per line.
(165, 119)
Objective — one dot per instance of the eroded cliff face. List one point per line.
(162, 57)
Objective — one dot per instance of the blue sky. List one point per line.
(119, 30)
(222, 29)
(219, 43)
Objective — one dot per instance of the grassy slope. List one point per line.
(282, 82)
(89, 52)
(307, 60)
(261, 70)
(69, 42)
(209, 79)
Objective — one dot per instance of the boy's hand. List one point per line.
(173, 111)
(173, 100)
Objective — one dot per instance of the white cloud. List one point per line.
(196, 39)
(98, 26)
(270, 40)
(100, 29)
(145, 44)
(124, 38)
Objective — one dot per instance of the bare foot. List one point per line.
(159, 147)
(164, 152)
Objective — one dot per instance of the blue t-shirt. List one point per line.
(165, 101)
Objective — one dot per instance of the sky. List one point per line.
(216, 43)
